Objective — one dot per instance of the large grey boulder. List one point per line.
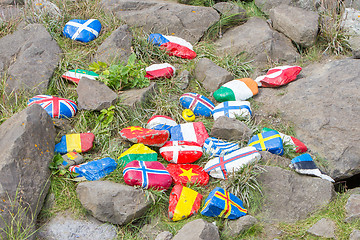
(134, 97)
(198, 229)
(266, 5)
(27, 147)
(350, 21)
(29, 56)
(112, 202)
(233, 228)
(230, 129)
(188, 22)
(352, 208)
(289, 196)
(324, 108)
(232, 11)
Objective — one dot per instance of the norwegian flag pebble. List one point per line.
(236, 90)
(157, 71)
(56, 107)
(193, 131)
(215, 147)
(150, 137)
(181, 151)
(174, 46)
(279, 76)
(161, 122)
(268, 141)
(77, 142)
(231, 109)
(147, 175)
(82, 30)
(185, 174)
(138, 152)
(76, 75)
(199, 104)
(221, 167)
(95, 170)
(298, 146)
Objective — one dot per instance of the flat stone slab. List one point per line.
(352, 208)
(198, 229)
(323, 228)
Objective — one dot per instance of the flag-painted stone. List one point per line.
(221, 203)
(76, 75)
(188, 115)
(70, 159)
(215, 147)
(298, 146)
(232, 109)
(199, 104)
(161, 122)
(138, 152)
(147, 175)
(174, 46)
(95, 170)
(188, 173)
(77, 142)
(221, 167)
(156, 71)
(150, 137)
(183, 203)
(280, 76)
(56, 107)
(82, 30)
(194, 131)
(236, 90)
(181, 151)
(268, 141)
(304, 164)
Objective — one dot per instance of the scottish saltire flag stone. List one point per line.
(77, 142)
(138, 152)
(236, 90)
(161, 122)
(147, 175)
(199, 104)
(279, 76)
(77, 74)
(194, 131)
(150, 137)
(298, 146)
(304, 164)
(221, 167)
(215, 147)
(181, 151)
(56, 107)
(70, 159)
(221, 203)
(268, 141)
(82, 30)
(95, 170)
(184, 174)
(163, 70)
(188, 115)
(174, 46)
(183, 203)
(231, 109)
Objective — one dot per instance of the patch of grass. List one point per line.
(251, 9)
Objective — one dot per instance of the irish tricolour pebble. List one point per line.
(199, 104)
(82, 30)
(156, 71)
(236, 90)
(56, 107)
(232, 109)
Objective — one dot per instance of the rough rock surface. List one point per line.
(42, 8)
(323, 106)
(29, 56)
(266, 5)
(323, 228)
(8, 13)
(351, 21)
(151, 230)
(94, 95)
(164, 236)
(117, 47)
(112, 202)
(211, 75)
(11, 2)
(354, 42)
(231, 9)
(352, 4)
(352, 208)
(198, 229)
(230, 129)
(134, 97)
(168, 18)
(355, 235)
(27, 147)
(289, 196)
(268, 158)
(233, 228)
(184, 79)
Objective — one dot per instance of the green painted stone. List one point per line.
(224, 94)
(138, 152)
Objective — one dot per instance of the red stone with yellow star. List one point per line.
(188, 173)
(150, 137)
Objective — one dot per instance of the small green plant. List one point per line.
(106, 117)
(56, 169)
(98, 67)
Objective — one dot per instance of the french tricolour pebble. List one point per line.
(150, 137)
(298, 146)
(56, 107)
(231, 109)
(215, 147)
(184, 174)
(77, 142)
(82, 30)
(181, 151)
(77, 74)
(193, 131)
(161, 122)
(199, 104)
(236, 90)
(268, 141)
(95, 170)
(279, 76)
(156, 71)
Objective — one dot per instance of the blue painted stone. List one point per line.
(199, 104)
(216, 147)
(231, 109)
(82, 30)
(268, 141)
(161, 122)
(96, 169)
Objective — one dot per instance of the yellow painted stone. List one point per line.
(188, 115)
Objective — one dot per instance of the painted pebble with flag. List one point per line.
(157, 71)
(56, 107)
(298, 146)
(215, 147)
(147, 175)
(70, 159)
(94, 170)
(82, 30)
(76, 142)
(221, 203)
(268, 141)
(138, 152)
(279, 76)
(231, 109)
(193, 131)
(184, 174)
(150, 137)
(161, 122)
(181, 151)
(199, 104)
(183, 203)
(221, 167)
(236, 90)
(77, 74)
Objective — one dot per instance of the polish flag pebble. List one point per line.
(157, 71)
(299, 147)
(76, 75)
(161, 122)
(181, 151)
(231, 109)
(279, 76)
(56, 107)
(236, 90)
(199, 104)
(82, 30)
(194, 131)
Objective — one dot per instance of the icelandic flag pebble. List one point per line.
(181, 151)
(174, 46)
(278, 76)
(138, 152)
(221, 203)
(77, 142)
(82, 30)
(194, 131)
(76, 75)
(157, 71)
(304, 164)
(231, 109)
(95, 170)
(184, 174)
(236, 90)
(221, 167)
(215, 147)
(161, 122)
(199, 104)
(298, 146)
(56, 107)
(268, 141)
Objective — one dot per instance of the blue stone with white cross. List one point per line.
(82, 30)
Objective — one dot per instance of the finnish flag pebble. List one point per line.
(215, 147)
(82, 30)
(231, 109)
(199, 104)
(236, 90)
(163, 70)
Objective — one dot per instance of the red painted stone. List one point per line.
(181, 151)
(148, 137)
(188, 173)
